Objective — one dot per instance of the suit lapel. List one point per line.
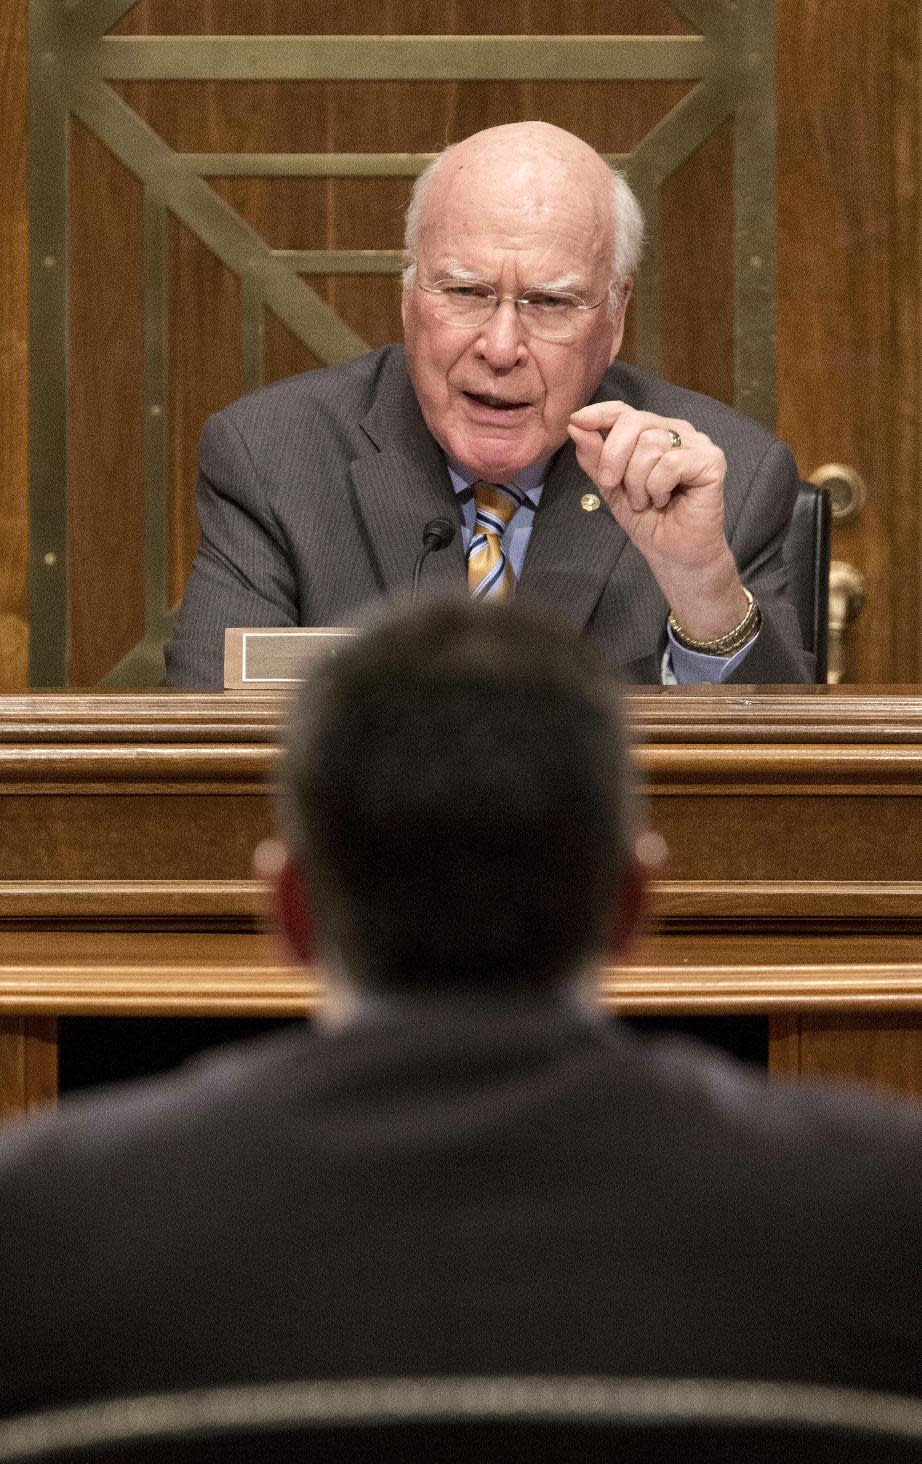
(402, 483)
(571, 562)
(571, 554)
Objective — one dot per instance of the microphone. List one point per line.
(437, 534)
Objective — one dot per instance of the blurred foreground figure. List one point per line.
(464, 1168)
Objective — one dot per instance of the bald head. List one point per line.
(540, 170)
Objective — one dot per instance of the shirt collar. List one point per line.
(529, 481)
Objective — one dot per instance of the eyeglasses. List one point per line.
(552, 315)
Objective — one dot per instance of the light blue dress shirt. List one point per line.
(680, 666)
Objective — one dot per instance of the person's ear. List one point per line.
(276, 867)
(625, 290)
(649, 854)
(406, 290)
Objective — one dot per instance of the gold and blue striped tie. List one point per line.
(489, 574)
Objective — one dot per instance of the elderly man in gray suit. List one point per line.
(649, 517)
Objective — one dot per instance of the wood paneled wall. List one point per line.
(850, 298)
(204, 309)
(850, 321)
(14, 359)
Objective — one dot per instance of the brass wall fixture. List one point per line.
(846, 488)
(847, 590)
(847, 594)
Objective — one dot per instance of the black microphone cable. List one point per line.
(437, 534)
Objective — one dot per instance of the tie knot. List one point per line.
(496, 505)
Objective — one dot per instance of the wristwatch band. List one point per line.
(725, 645)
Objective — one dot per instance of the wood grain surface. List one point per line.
(884, 1051)
(107, 409)
(849, 292)
(849, 249)
(793, 822)
(204, 352)
(28, 1064)
(697, 268)
(402, 17)
(14, 360)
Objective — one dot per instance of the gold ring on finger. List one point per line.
(674, 438)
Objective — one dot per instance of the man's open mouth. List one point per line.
(498, 404)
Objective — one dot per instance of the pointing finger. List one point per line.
(599, 415)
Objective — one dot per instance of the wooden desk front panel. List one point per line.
(792, 818)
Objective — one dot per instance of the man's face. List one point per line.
(493, 396)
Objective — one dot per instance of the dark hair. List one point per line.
(456, 789)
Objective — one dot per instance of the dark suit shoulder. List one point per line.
(328, 405)
(127, 1123)
(350, 386)
(836, 1129)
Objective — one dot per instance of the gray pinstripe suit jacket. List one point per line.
(313, 494)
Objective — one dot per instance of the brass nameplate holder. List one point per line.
(261, 659)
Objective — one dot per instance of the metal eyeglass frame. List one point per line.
(494, 299)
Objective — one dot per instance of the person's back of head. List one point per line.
(456, 794)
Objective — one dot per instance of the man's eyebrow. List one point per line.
(564, 284)
(450, 269)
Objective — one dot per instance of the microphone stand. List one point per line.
(437, 534)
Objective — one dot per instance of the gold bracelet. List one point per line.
(725, 645)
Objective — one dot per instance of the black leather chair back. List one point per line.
(807, 549)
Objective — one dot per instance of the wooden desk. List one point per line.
(794, 820)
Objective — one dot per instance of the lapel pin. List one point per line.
(590, 502)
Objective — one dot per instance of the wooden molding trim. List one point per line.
(70, 717)
(723, 906)
(747, 742)
(815, 906)
(189, 904)
(836, 769)
(258, 988)
(878, 714)
(690, 990)
(261, 987)
(842, 714)
(86, 769)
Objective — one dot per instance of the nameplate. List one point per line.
(266, 658)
